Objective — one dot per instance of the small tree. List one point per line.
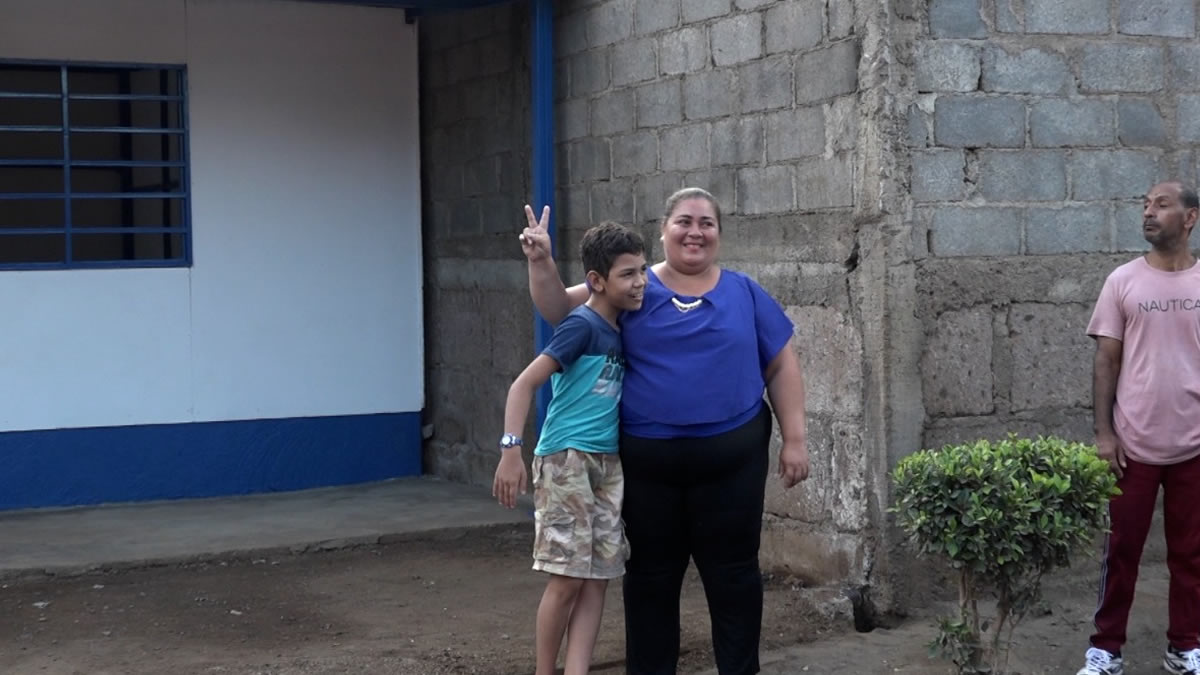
(1004, 513)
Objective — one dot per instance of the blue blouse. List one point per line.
(699, 372)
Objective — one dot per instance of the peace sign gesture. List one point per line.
(535, 239)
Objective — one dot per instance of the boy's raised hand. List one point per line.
(535, 238)
(510, 477)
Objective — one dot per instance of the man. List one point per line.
(1147, 420)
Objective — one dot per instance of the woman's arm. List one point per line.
(785, 389)
(552, 299)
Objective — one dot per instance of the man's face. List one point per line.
(1165, 220)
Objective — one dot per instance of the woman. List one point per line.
(694, 432)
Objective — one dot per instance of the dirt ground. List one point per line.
(453, 603)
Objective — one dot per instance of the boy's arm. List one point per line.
(510, 477)
(552, 299)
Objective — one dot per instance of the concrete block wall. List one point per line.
(476, 157)
(933, 189)
(1034, 129)
(756, 102)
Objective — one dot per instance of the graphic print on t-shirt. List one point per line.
(608, 382)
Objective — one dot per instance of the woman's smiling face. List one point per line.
(692, 235)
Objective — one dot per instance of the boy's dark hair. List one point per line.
(604, 243)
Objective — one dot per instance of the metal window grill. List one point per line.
(93, 166)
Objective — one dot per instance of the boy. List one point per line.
(577, 480)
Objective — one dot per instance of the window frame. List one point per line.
(68, 229)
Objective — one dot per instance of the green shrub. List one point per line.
(1003, 513)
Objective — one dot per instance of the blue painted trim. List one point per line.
(543, 155)
(71, 467)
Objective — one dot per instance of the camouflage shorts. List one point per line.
(577, 500)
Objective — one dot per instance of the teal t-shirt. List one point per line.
(587, 389)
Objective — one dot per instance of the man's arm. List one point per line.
(1105, 371)
(785, 389)
(510, 476)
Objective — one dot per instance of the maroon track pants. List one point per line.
(1132, 512)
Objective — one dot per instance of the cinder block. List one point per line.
(737, 140)
(828, 72)
(1187, 113)
(589, 72)
(634, 61)
(978, 122)
(709, 93)
(795, 133)
(918, 134)
(651, 193)
(659, 103)
(609, 23)
(1022, 175)
(737, 39)
(766, 84)
(635, 154)
(1140, 123)
(1121, 67)
(570, 33)
(1166, 18)
(482, 176)
(794, 25)
(613, 112)
(1008, 18)
(825, 183)
(938, 175)
(980, 231)
(956, 365)
(1185, 66)
(683, 51)
(652, 16)
(841, 20)
(701, 10)
(1067, 17)
(765, 190)
(1127, 228)
(1053, 355)
(1030, 71)
(684, 147)
(1113, 174)
(572, 119)
(1058, 123)
(956, 19)
(831, 355)
(589, 160)
(946, 66)
(1072, 229)
(612, 200)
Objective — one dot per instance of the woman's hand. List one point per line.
(535, 238)
(793, 462)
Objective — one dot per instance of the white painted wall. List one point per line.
(305, 294)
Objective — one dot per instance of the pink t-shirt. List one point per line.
(1156, 315)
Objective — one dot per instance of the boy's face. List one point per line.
(626, 282)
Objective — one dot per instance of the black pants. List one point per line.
(700, 498)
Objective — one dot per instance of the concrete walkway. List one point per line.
(75, 540)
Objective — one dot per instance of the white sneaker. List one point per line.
(1180, 662)
(1100, 662)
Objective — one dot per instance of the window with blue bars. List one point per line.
(93, 166)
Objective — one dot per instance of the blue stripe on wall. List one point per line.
(68, 467)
